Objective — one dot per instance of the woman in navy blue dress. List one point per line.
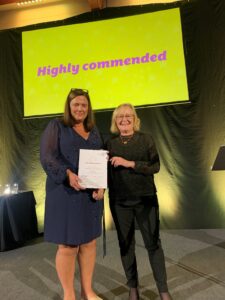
(72, 214)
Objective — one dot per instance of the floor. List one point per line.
(195, 261)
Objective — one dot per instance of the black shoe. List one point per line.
(133, 294)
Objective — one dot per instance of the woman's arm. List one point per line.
(54, 164)
(151, 166)
(148, 167)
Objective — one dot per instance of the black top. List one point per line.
(128, 182)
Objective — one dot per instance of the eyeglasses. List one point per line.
(79, 90)
(120, 117)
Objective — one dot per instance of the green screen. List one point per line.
(137, 59)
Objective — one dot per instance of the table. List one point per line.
(18, 220)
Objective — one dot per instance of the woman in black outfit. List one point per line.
(133, 162)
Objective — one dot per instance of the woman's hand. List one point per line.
(98, 194)
(74, 181)
(117, 161)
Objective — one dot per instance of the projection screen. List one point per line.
(138, 59)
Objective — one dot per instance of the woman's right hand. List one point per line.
(74, 180)
(117, 161)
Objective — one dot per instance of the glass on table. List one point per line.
(15, 188)
(7, 189)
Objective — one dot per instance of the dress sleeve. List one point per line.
(151, 166)
(54, 164)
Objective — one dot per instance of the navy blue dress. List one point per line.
(71, 217)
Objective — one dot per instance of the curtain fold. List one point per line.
(187, 135)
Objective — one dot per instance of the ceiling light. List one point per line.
(28, 2)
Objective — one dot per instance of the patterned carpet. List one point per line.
(195, 261)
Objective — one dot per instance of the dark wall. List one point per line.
(187, 136)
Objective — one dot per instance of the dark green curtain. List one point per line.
(187, 135)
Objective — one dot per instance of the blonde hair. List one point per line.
(114, 128)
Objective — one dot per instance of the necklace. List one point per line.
(125, 138)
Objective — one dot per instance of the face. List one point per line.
(125, 120)
(79, 108)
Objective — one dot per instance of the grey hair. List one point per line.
(114, 128)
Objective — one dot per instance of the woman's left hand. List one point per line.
(98, 194)
(117, 161)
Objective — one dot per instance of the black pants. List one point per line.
(145, 211)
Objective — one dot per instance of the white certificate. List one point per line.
(92, 170)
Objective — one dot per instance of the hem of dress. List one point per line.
(48, 240)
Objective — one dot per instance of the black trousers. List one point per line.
(145, 211)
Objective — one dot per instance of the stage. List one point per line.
(195, 261)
